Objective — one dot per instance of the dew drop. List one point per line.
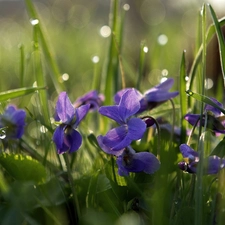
(34, 22)
(145, 49)
(43, 129)
(2, 134)
(189, 93)
(163, 79)
(186, 78)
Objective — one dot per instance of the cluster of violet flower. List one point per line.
(213, 119)
(129, 103)
(12, 123)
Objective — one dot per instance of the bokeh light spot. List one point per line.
(65, 76)
(208, 83)
(95, 59)
(153, 13)
(105, 31)
(162, 39)
(126, 7)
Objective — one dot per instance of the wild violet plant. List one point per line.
(138, 165)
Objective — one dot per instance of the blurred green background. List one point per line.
(77, 32)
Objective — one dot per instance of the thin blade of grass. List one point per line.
(16, 93)
(199, 174)
(220, 40)
(142, 54)
(183, 98)
(111, 82)
(210, 32)
(50, 61)
(22, 59)
(204, 99)
(39, 76)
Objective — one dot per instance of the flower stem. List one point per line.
(113, 170)
(70, 177)
(158, 139)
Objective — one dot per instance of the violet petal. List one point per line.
(64, 108)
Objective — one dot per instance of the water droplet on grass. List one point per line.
(189, 93)
(2, 134)
(145, 49)
(34, 22)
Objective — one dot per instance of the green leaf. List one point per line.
(15, 93)
(103, 183)
(93, 141)
(219, 150)
(23, 168)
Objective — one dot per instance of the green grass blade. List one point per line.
(22, 59)
(16, 93)
(142, 54)
(204, 99)
(183, 98)
(50, 61)
(211, 31)
(199, 174)
(220, 40)
(39, 77)
(111, 81)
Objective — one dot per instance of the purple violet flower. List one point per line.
(12, 122)
(93, 98)
(130, 161)
(66, 138)
(153, 97)
(215, 118)
(130, 128)
(212, 164)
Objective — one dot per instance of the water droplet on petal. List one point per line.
(34, 22)
(163, 79)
